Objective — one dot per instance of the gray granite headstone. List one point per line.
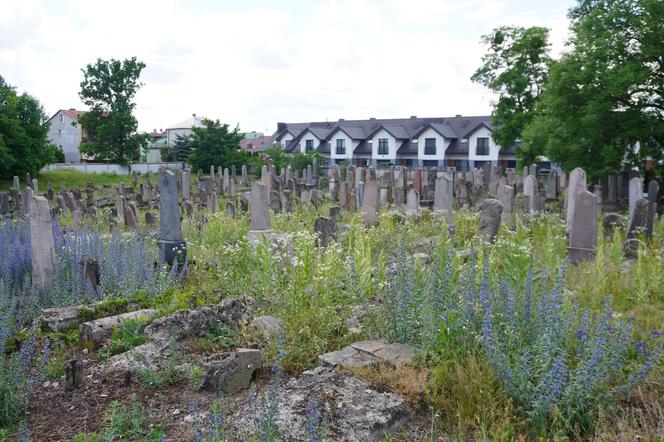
(443, 196)
(576, 185)
(370, 204)
(326, 230)
(635, 193)
(412, 202)
(171, 244)
(583, 232)
(42, 246)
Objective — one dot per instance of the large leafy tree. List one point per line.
(607, 93)
(515, 69)
(215, 145)
(108, 89)
(24, 145)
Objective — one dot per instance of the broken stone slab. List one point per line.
(368, 353)
(348, 357)
(184, 324)
(233, 371)
(93, 333)
(142, 356)
(269, 326)
(354, 410)
(59, 319)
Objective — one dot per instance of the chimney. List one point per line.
(458, 116)
(72, 108)
(372, 118)
(193, 115)
(281, 126)
(342, 119)
(413, 116)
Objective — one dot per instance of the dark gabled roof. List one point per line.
(407, 148)
(397, 131)
(354, 132)
(363, 148)
(323, 147)
(291, 145)
(453, 128)
(457, 147)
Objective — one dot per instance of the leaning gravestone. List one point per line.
(583, 232)
(171, 245)
(42, 246)
(490, 213)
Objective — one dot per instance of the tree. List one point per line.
(24, 145)
(108, 88)
(215, 145)
(181, 147)
(607, 93)
(514, 68)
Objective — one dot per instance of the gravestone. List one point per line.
(369, 204)
(150, 219)
(42, 246)
(326, 230)
(530, 191)
(505, 198)
(212, 202)
(260, 224)
(186, 185)
(490, 215)
(638, 222)
(653, 190)
(171, 245)
(635, 193)
(412, 202)
(230, 209)
(611, 222)
(583, 231)
(443, 196)
(577, 184)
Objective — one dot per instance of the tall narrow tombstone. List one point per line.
(370, 204)
(230, 209)
(212, 202)
(635, 192)
(490, 215)
(583, 232)
(260, 224)
(186, 185)
(576, 185)
(443, 196)
(42, 246)
(612, 196)
(530, 191)
(653, 190)
(171, 245)
(245, 176)
(505, 198)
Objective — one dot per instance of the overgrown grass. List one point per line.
(69, 179)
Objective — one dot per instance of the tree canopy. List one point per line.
(515, 68)
(215, 145)
(603, 97)
(24, 145)
(108, 89)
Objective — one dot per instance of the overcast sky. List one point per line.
(255, 63)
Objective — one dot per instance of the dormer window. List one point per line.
(309, 145)
(482, 146)
(341, 146)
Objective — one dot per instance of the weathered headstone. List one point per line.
(530, 191)
(369, 204)
(326, 230)
(490, 215)
(443, 196)
(635, 193)
(42, 246)
(171, 245)
(260, 224)
(583, 231)
(412, 202)
(577, 184)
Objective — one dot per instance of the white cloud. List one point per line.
(336, 59)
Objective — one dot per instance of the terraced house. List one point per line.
(461, 142)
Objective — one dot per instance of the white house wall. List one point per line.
(441, 145)
(171, 134)
(391, 144)
(350, 146)
(66, 136)
(494, 149)
(303, 141)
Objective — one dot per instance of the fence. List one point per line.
(115, 168)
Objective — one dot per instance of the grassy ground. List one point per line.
(453, 387)
(70, 179)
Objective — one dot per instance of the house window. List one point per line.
(482, 146)
(62, 118)
(382, 146)
(429, 146)
(309, 146)
(341, 146)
